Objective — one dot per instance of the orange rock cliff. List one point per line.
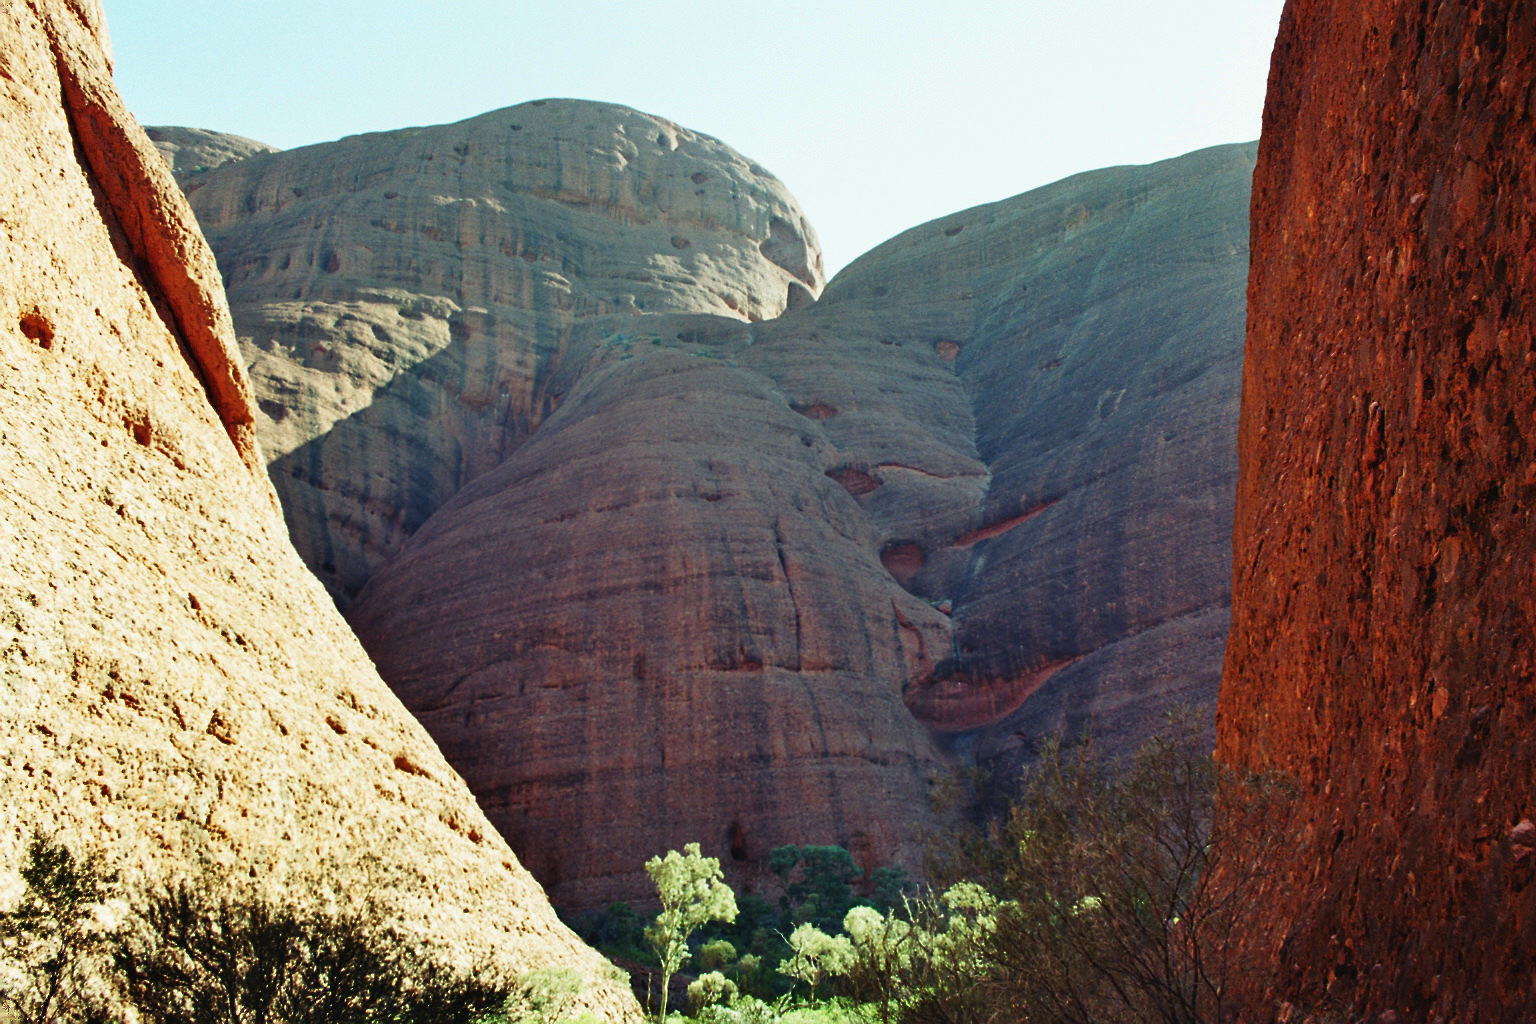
(1383, 645)
(174, 684)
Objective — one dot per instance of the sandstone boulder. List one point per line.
(174, 684)
(1381, 651)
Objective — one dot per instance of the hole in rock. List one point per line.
(538, 103)
(854, 480)
(332, 263)
(37, 328)
(410, 767)
(143, 432)
(679, 242)
(515, 127)
(902, 559)
(737, 837)
(946, 350)
(798, 298)
(815, 411)
(699, 177)
(336, 726)
(952, 232)
(880, 291)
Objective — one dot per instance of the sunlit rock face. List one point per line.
(1381, 652)
(662, 550)
(194, 151)
(405, 298)
(175, 687)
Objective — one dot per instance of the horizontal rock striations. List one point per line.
(174, 685)
(661, 620)
(1381, 651)
(709, 575)
(1096, 326)
(404, 298)
(663, 550)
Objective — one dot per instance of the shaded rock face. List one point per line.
(174, 685)
(1381, 650)
(749, 577)
(1096, 328)
(405, 298)
(661, 621)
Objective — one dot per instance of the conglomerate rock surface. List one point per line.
(1382, 649)
(174, 685)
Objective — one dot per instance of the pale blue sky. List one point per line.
(878, 116)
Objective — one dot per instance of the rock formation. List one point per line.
(173, 683)
(688, 606)
(405, 297)
(191, 151)
(1096, 328)
(660, 548)
(1381, 651)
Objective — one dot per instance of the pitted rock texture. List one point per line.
(193, 151)
(174, 685)
(1381, 651)
(404, 299)
(1096, 325)
(694, 604)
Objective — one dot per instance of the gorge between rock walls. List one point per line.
(664, 543)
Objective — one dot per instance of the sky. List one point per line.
(877, 115)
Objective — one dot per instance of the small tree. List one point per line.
(1117, 890)
(817, 956)
(52, 934)
(710, 988)
(816, 883)
(693, 892)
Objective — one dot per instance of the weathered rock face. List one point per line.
(1382, 643)
(404, 299)
(173, 682)
(194, 151)
(660, 621)
(691, 606)
(1096, 325)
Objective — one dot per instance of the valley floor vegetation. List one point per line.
(1104, 894)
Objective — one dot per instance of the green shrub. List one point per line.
(547, 995)
(200, 952)
(817, 956)
(710, 988)
(1112, 890)
(52, 943)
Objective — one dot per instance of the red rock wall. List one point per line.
(1384, 608)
